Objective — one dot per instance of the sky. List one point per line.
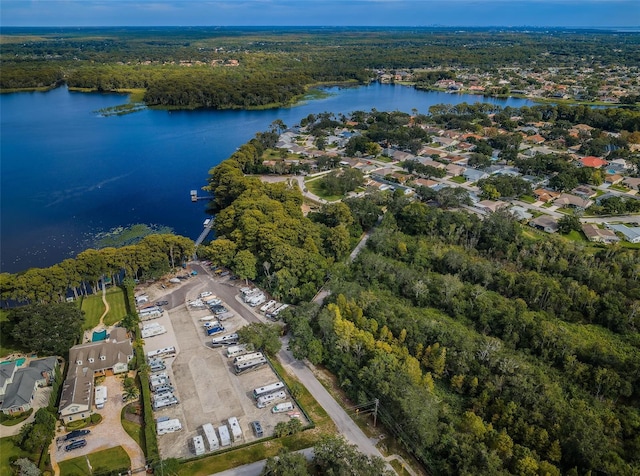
(464, 13)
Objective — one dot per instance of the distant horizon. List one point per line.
(582, 14)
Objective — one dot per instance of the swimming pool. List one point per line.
(19, 362)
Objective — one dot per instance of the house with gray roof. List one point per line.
(630, 233)
(87, 361)
(545, 223)
(21, 391)
(473, 175)
(7, 372)
(568, 200)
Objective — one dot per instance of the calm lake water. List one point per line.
(68, 174)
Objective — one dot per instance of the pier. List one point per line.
(208, 224)
(195, 197)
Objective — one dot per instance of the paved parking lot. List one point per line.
(206, 386)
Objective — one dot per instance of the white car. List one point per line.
(205, 294)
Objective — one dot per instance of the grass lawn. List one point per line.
(9, 451)
(314, 187)
(93, 308)
(117, 306)
(576, 236)
(528, 199)
(102, 461)
(458, 179)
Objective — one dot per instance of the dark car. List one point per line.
(162, 303)
(257, 429)
(75, 445)
(76, 434)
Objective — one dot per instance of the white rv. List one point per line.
(246, 357)
(210, 436)
(272, 387)
(168, 426)
(101, 396)
(236, 431)
(198, 445)
(282, 407)
(264, 400)
(225, 439)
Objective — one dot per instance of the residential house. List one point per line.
(568, 200)
(618, 165)
(424, 183)
(21, 391)
(521, 213)
(591, 161)
(613, 179)
(584, 191)
(431, 163)
(545, 223)
(632, 182)
(598, 235)
(454, 170)
(429, 151)
(473, 175)
(630, 233)
(87, 361)
(491, 206)
(544, 195)
(7, 372)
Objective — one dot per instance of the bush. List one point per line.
(95, 418)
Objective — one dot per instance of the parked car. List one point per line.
(75, 445)
(162, 303)
(76, 434)
(257, 429)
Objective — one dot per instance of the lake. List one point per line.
(69, 174)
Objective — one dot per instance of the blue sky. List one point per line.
(572, 13)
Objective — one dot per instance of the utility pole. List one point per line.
(375, 412)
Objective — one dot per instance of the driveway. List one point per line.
(108, 433)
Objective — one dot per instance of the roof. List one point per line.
(592, 231)
(591, 161)
(86, 359)
(24, 382)
(568, 199)
(545, 221)
(491, 205)
(631, 233)
(6, 372)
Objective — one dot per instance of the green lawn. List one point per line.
(9, 451)
(528, 199)
(314, 187)
(576, 236)
(117, 306)
(458, 179)
(102, 461)
(94, 308)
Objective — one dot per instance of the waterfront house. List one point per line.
(90, 360)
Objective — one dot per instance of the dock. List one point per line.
(195, 197)
(208, 225)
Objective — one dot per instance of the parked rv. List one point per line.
(228, 339)
(101, 396)
(249, 365)
(236, 431)
(225, 438)
(282, 407)
(210, 436)
(268, 398)
(198, 445)
(246, 357)
(164, 351)
(235, 350)
(268, 305)
(272, 387)
(168, 426)
(214, 329)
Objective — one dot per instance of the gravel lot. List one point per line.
(206, 386)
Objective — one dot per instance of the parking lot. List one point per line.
(205, 384)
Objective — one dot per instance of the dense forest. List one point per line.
(257, 67)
